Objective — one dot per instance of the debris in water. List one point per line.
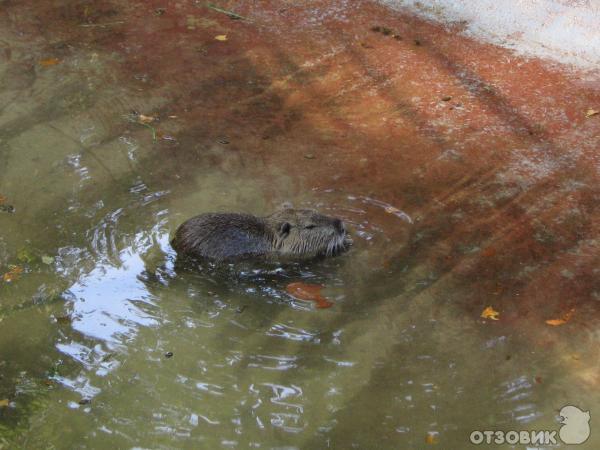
(102, 25)
(221, 37)
(64, 320)
(231, 14)
(49, 62)
(13, 274)
(4, 403)
(591, 112)
(447, 98)
(490, 313)
(146, 119)
(386, 32)
(308, 292)
(432, 438)
(85, 401)
(169, 355)
(564, 319)
(7, 209)
(47, 259)
(143, 120)
(25, 255)
(309, 156)
(417, 42)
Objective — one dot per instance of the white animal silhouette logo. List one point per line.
(576, 427)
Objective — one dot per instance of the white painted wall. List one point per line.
(564, 30)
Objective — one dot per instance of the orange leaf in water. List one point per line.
(221, 37)
(490, 313)
(13, 274)
(564, 319)
(4, 402)
(308, 292)
(2, 199)
(49, 62)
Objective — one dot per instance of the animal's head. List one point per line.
(572, 415)
(305, 232)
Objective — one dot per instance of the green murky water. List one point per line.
(103, 344)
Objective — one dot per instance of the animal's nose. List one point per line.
(339, 226)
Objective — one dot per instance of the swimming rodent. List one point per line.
(295, 233)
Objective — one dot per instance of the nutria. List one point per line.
(296, 233)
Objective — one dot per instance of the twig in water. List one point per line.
(106, 24)
(231, 14)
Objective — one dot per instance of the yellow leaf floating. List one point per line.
(221, 37)
(591, 112)
(564, 319)
(431, 438)
(4, 402)
(146, 119)
(490, 313)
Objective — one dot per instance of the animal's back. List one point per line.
(222, 236)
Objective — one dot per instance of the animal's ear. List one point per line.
(284, 229)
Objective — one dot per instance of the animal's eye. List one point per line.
(310, 227)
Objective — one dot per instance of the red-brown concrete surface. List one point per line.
(502, 178)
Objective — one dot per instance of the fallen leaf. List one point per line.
(431, 438)
(146, 119)
(2, 199)
(561, 321)
(49, 62)
(13, 274)
(591, 112)
(221, 37)
(490, 313)
(4, 402)
(308, 292)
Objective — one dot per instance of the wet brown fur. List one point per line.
(295, 233)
